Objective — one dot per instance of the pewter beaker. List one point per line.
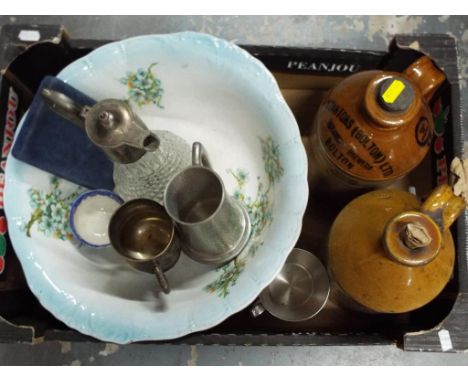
(213, 226)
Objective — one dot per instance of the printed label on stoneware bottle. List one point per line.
(355, 152)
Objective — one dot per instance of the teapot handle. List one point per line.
(426, 76)
(65, 106)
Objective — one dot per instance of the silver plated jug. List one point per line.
(144, 161)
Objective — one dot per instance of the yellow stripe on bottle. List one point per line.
(393, 91)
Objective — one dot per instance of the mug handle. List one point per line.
(200, 156)
(162, 280)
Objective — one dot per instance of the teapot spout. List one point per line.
(151, 142)
(140, 137)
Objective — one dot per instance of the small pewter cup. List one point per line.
(299, 292)
(213, 227)
(144, 234)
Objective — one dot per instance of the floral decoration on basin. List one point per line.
(51, 210)
(260, 212)
(143, 87)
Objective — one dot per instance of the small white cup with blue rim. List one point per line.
(90, 215)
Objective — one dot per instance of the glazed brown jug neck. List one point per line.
(391, 101)
(412, 238)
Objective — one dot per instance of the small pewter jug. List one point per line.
(143, 233)
(143, 160)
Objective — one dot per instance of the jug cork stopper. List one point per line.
(412, 238)
(415, 236)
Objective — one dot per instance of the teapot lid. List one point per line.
(112, 125)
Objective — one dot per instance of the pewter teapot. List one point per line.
(143, 160)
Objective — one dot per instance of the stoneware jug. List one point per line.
(373, 128)
(389, 253)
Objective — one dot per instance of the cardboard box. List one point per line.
(304, 76)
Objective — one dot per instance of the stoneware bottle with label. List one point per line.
(389, 253)
(373, 128)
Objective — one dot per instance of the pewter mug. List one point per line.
(142, 232)
(213, 227)
(299, 292)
